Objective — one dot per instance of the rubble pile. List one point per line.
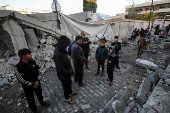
(42, 52)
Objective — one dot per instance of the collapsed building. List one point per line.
(40, 33)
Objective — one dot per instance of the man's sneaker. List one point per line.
(45, 104)
(97, 73)
(111, 83)
(82, 85)
(35, 112)
(117, 67)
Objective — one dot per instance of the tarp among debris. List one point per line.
(73, 27)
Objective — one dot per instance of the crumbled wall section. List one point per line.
(16, 33)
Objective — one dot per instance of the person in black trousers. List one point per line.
(111, 62)
(117, 49)
(27, 73)
(85, 46)
(101, 55)
(63, 67)
(78, 57)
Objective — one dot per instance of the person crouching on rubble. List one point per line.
(63, 67)
(141, 45)
(111, 62)
(27, 73)
(101, 55)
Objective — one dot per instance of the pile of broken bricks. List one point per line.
(42, 54)
(153, 95)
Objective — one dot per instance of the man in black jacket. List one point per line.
(27, 74)
(117, 49)
(85, 46)
(63, 67)
(78, 59)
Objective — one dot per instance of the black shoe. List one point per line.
(97, 73)
(35, 111)
(81, 85)
(45, 104)
(117, 67)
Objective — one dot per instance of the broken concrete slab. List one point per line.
(32, 38)
(143, 92)
(147, 64)
(13, 60)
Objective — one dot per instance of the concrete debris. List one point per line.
(143, 91)
(3, 82)
(147, 64)
(13, 60)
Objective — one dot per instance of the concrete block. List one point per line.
(146, 64)
(43, 41)
(3, 82)
(143, 91)
(13, 60)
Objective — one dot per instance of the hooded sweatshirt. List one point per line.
(62, 62)
(111, 57)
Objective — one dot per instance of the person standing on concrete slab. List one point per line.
(117, 49)
(85, 46)
(101, 55)
(111, 62)
(27, 73)
(78, 60)
(141, 45)
(63, 67)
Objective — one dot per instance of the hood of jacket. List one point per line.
(63, 42)
(113, 53)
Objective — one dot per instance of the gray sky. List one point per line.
(109, 7)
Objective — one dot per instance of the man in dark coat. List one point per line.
(78, 57)
(63, 67)
(101, 55)
(85, 46)
(117, 49)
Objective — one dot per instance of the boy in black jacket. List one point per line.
(111, 62)
(117, 49)
(27, 74)
(101, 55)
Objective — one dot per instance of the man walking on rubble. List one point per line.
(27, 73)
(78, 60)
(63, 68)
(85, 46)
(141, 45)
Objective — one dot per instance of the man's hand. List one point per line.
(89, 62)
(37, 83)
(110, 61)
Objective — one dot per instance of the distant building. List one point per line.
(24, 10)
(119, 15)
(161, 8)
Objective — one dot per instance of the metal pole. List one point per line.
(150, 14)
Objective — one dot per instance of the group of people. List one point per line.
(27, 71)
(164, 31)
(138, 32)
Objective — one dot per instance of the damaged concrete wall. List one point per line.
(138, 25)
(116, 28)
(16, 33)
(125, 29)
